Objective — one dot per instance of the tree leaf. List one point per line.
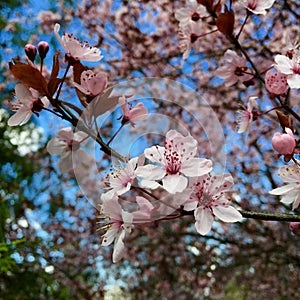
(29, 76)
(225, 23)
(54, 81)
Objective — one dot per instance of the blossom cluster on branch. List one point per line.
(170, 181)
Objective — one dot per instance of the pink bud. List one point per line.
(43, 48)
(295, 228)
(284, 143)
(276, 82)
(30, 51)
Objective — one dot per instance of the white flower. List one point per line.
(78, 50)
(189, 38)
(290, 67)
(119, 223)
(247, 116)
(92, 84)
(121, 179)
(234, 69)
(193, 12)
(64, 144)
(173, 163)
(206, 195)
(258, 7)
(291, 191)
(28, 104)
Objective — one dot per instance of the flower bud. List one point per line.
(284, 143)
(295, 228)
(43, 48)
(30, 51)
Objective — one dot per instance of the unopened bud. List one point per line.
(284, 143)
(295, 228)
(30, 51)
(43, 48)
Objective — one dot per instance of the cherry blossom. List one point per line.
(92, 84)
(132, 114)
(247, 116)
(206, 195)
(193, 12)
(121, 179)
(290, 67)
(189, 38)
(172, 163)
(258, 7)
(234, 69)
(276, 82)
(76, 49)
(27, 104)
(64, 144)
(284, 143)
(291, 191)
(119, 223)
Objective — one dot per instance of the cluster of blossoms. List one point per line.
(186, 183)
(175, 169)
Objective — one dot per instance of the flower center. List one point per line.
(296, 68)
(240, 71)
(252, 4)
(195, 17)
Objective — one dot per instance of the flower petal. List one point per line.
(174, 183)
(227, 213)
(204, 220)
(196, 167)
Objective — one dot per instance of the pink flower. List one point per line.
(258, 7)
(206, 195)
(173, 163)
(234, 69)
(189, 38)
(64, 144)
(132, 114)
(276, 83)
(284, 143)
(119, 222)
(295, 227)
(77, 49)
(247, 116)
(291, 191)
(290, 67)
(121, 179)
(193, 12)
(92, 84)
(28, 104)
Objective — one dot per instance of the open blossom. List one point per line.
(192, 12)
(258, 7)
(64, 144)
(284, 143)
(290, 67)
(291, 191)
(27, 104)
(92, 84)
(189, 38)
(173, 163)
(119, 222)
(121, 179)
(132, 114)
(206, 195)
(276, 82)
(77, 49)
(234, 69)
(247, 116)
